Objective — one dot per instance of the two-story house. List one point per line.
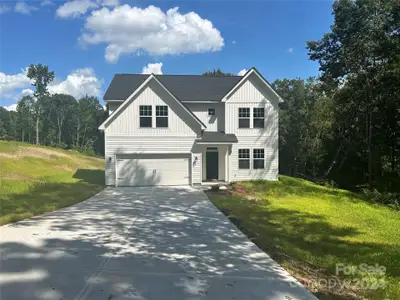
(190, 129)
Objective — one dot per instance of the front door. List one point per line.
(212, 165)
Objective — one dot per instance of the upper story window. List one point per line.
(244, 117)
(244, 158)
(258, 158)
(211, 112)
(258, 117)
(145, 114)
(161, 116)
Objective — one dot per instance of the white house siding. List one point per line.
(215, 123)
(253, 94)
(127, 122)
(112, 106)
(124, 135)
(196, 168)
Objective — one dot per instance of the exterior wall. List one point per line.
(251, 94)
(197, 167)
(127, 122)
(124, 135)
(112, 106)
(213, 123)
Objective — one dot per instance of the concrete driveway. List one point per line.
(138, 243)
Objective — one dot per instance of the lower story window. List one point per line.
(258, 158)
(244, 158)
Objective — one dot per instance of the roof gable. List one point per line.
(252, 72)
(135, 92)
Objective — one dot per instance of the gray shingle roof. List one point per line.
(217, 137)
(184, 87)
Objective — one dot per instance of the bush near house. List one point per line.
(310, 228)
(37, 179)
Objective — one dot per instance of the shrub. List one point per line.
(390, 199)
(215, 188)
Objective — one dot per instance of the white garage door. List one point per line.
(160, 169)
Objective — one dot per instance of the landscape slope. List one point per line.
(310, 229)
(37, 179)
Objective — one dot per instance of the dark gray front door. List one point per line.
(211, 165)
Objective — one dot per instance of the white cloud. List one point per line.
(10, 83)
(152, 68)
(234, 42)
(23, 8)
(75, 8)
(12, 107)
(79, 83)
(290, 50)
(4, 8)
(242, 72)
(127, 29)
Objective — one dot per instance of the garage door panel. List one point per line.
(142, 170)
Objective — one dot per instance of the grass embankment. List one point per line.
(37, 179)
(310, 228)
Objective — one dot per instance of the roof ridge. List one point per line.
(200, 75)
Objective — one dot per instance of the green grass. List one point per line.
(310, 228)
(37, 179)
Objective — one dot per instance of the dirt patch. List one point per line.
(7, 155)
(34, 152)
(40, 152)
(65, 168)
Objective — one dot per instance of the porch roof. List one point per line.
(215, 137)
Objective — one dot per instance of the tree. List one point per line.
(305, 122)
(62, 108)
(89, 116)
(25, 110)
(362, 46)
(8, 121)
(41, 78)
(217, 72)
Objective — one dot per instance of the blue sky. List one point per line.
(72, 39)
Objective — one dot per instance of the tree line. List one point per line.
(57, 120)
(343, 126)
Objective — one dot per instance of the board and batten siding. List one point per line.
(196, 168)
(252, 94)
(124, 135)
(127, 122)
(213, 123)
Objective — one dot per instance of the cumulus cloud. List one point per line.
(79, 83)
(12, 107)
(127, 29)
(10, 84)
(153, 68)
(290, 50)
(23, 8)
(242, 72)
(76, 8)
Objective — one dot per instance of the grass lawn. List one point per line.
(309, 229)
(34, 180)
